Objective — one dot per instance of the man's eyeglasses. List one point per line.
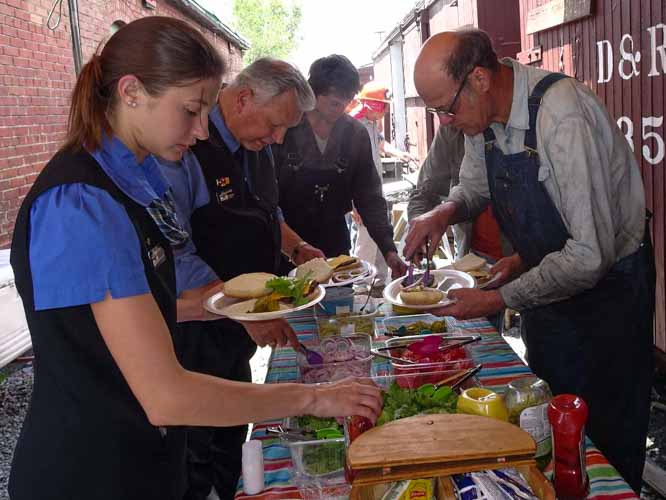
(448, 112)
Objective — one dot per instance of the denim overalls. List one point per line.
(597, 344)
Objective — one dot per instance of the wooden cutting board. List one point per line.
(433, 445)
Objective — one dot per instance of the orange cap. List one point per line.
(373, 91)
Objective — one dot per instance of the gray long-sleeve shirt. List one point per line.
(438, 173)
(588, 170)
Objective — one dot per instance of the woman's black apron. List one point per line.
(597, 344)
(85, 435)
(315, 188)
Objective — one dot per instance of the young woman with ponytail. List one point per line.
(93, 263)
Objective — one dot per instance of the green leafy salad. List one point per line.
(404, 402)
(322, 458)
(295, 288)
(293, 292)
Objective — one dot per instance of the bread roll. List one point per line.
(480, 276)
(319, 270)
(248, 286)
(469, 262)
(421, 296)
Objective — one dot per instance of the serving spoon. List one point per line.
(312, 357)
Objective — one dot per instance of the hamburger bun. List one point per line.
(319, 270)
(343, 262)
(421, 296)
(248, 286)
(469, 262)
(480, 276)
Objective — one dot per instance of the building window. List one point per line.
(116, 26)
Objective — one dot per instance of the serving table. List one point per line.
(500, 366)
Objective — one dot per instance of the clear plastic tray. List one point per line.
(347, 324)
(415, 324)
(318, 465)
(354, 426)
(332, 370)
(460, 359)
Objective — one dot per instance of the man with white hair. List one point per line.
(225, 190)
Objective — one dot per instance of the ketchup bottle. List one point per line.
(567, 414)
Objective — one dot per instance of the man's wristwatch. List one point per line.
(296, 250)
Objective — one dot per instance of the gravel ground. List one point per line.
(15, 392)
(16, 385)
(15, 389)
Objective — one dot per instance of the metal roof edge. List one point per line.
(406, 20)
(211, 21)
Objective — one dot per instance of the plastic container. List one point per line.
(338, 300)
(567, 414)
(527, 400)
(407, 384)
(457, 359)
(346, 324)
(484, 402)
(344, 356)
(318, 466)
(416, 324)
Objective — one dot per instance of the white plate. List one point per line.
(369, 272)
(238, 308)
(462, 280)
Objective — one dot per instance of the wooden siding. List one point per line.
(636, 101)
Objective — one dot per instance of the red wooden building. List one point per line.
(617, 47)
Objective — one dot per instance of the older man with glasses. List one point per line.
(566, 190)
(226, 197)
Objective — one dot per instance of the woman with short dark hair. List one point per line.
(325, 166)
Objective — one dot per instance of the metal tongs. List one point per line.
(461, 376)
(300, 435)
(290, 434)
(425, 277)
(375, 352)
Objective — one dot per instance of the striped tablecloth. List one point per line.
(500, 366)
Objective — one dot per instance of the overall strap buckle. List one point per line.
(489, 138)
(341, 165)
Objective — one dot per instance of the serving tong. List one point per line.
(312, 357)
(425, 277)
(423, 347)
(405, 341)
(375, 352)
(301, 435)
(461, 376)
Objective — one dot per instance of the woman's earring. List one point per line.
(131, 104)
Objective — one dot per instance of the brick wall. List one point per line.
(36, 78)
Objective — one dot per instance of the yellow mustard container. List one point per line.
(484, 402)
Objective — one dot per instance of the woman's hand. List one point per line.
(396, 264)
(347, 397)
(356, 217)
(274, 333)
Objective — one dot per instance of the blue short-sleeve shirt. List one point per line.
(82, 242)
(189, 193)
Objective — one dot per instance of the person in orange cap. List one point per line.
(371, 106)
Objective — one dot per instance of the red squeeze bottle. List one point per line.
(567, 414)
